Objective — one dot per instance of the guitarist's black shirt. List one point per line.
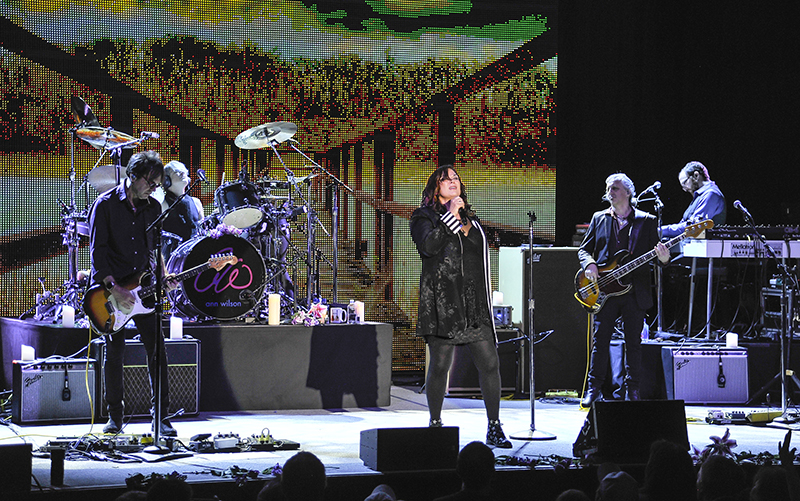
(118, 245)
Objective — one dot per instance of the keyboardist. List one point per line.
(708, 202)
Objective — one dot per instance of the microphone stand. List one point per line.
(531, 433)
(786, 276)
(155, 226)
(659, 207)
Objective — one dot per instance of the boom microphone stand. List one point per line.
(786, 277)
(531, 433)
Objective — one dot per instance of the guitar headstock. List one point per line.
(218, 261)
(696, 229)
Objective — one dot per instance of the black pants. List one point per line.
(115, 351)
(604, 321)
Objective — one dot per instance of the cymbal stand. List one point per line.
(336, 184)
(312, 284)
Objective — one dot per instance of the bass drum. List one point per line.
(225, 294)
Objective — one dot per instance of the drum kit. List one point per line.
(251, 219)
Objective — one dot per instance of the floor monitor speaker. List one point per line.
(622, 431)
(409, 449)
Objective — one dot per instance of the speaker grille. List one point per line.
(183, 373)
(38, 391)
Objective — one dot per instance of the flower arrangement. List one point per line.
(224, 229)
(316, 315)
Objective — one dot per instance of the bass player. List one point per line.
(121, 250)
(619, 228)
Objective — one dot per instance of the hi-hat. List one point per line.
(102, 137)
(83, 114)
(265, 135)
(104, 177)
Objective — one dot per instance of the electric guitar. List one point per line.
(108, 317)
(593, 295)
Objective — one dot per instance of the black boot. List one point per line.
(495, 435)
(592, 395)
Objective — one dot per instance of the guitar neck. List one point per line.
(645, 258)
(193, 272)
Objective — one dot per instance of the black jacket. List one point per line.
(441, 283)
(643, 238)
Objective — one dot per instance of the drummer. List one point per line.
(184, 220)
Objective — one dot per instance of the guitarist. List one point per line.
(121, 250)
(620, 227)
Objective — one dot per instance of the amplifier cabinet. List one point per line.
(183, 373)
(53, 390)
(462, 380)
(706, 375)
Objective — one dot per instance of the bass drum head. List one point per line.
(225, 294)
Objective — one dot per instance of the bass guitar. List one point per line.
(593, 295)
(108, 317)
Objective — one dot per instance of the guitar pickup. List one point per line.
(109, 307)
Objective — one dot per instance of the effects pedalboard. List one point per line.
(120, 443)
(231, 442)
(742, 417)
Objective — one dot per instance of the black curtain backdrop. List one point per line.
(645, 87)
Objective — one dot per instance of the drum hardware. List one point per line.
(336, 184)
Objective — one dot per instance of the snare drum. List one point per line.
(239, 204)
(225, 294)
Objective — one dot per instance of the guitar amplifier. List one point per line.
(706, 375)
(53, 390)
(183, 373)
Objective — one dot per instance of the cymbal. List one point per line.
(83, 114)
(102, 137)
(103, 177)
(309, 177)
(261, 136)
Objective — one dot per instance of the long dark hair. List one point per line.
(430, 195)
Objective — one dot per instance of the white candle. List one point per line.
(732, 340)
(359, 312)
(68, 316)
(175, 327)
(274, 308)
(27, 353)
(497, 298)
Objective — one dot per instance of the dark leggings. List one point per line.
(484, 355)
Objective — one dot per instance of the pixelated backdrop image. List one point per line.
(364, 100)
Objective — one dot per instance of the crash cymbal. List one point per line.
(104, 177)
(102, 137)
(263, 135)
(83, 114)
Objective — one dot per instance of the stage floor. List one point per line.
(334, 436)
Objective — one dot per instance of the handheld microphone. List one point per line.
(737, 204)
(202, 175)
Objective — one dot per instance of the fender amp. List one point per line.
(183, 373)
(706, 375)
(53, 390)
